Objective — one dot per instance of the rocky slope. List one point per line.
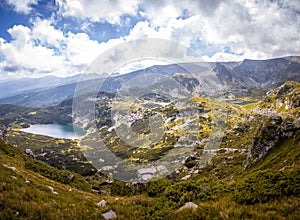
(3, 132)
(281, 110)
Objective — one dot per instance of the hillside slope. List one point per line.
(223, 189)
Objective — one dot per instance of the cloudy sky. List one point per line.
(62, 37)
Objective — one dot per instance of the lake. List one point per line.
(238, 102)
(54, 130)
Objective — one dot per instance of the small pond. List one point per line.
(55, 130)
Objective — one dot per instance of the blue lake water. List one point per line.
(238, 102)
(55, 130)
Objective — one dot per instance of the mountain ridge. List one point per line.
(247, 75)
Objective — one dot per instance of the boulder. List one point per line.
(190, 205)
(102, 203)
(146, 174)
(29, 152)
(109, 215)
(9, 167)
(186, 177)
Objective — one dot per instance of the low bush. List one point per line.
(61, 176)
(266, 185)
(203, 189)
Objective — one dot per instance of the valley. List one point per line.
(235, 155)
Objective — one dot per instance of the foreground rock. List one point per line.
(102, 203)
(52, 190)
(190, 205)
(9, 167)
(30, 153)
(109, 215)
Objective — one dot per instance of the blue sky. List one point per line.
(62, 37)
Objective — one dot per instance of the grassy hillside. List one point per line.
(268, 194)
(224, 189)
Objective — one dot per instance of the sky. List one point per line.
(62, 37)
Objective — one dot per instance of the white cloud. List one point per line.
(81, 50)
(46, 33)
(22, 53)
(226, 30)
(223, 57)
(160, 12)
(263, 29)
(137, 65)
(183, 31)
(98, 10)
(23, 6)
(258, 30)
(46, 50)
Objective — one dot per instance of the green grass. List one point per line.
(223, 189)
(216, 199)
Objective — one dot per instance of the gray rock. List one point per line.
(9, 167)
(296, 123)
(285, 89)
(186, 177)
(29, 152)
(146, 174)
(3, 131)
(102, 203)
(190, 205)
(109, 215)
(52, 190)
(267, 137)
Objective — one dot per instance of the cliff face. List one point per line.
(269, 135)
(282, 120)
(3, 132)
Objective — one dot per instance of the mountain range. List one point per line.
(247, 77)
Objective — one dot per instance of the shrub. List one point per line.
(263, 186)
(155, 188)
(203, 189)
(8, 149)
(61, 176)
(119, 188)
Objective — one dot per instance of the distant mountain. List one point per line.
(44, 97)
(41, 98)
(270, 73)
(25, 85)
(239, 78)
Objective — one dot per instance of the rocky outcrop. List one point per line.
(268, 136)
(280, 106)
(3, 131)
(284, 89)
